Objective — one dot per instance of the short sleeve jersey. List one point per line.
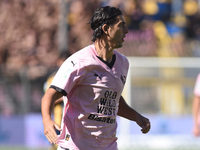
(92, 90)
(197, 86)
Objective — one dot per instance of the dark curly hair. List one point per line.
(103, 15)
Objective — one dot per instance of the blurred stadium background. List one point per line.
(163, 47)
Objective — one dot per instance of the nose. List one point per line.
(126, 30)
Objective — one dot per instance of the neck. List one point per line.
(103, 50)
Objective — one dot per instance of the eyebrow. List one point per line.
(123, 22)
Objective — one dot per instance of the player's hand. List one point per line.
(49, 130)
(145, 129)
(144, 123)
(196, 131)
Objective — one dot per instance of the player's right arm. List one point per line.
(47, 104)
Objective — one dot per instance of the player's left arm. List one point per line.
(129, 113)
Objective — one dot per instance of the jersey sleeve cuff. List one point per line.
(59, 90)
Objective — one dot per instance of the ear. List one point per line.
(105, 28)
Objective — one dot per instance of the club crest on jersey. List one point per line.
(67, 137)
(99, 76)
(123, 79)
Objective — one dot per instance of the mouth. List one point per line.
(123, 39)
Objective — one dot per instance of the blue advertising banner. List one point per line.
(34, 134)
(171, 132)
(12, 130)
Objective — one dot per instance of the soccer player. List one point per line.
(196, 107)
(91, 82)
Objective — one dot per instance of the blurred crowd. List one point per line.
(29, 39)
